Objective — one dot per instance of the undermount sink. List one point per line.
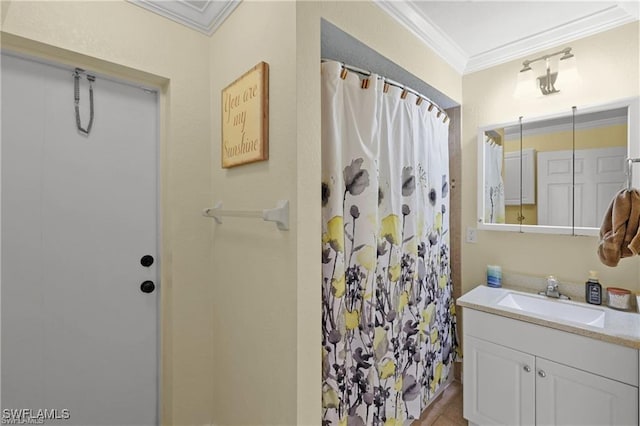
(568, 311)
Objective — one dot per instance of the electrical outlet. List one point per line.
(472, 235)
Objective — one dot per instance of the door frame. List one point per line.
(455, 217)
(42, 53)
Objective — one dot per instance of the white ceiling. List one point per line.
(469, 35)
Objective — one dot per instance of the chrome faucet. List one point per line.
(552, 289)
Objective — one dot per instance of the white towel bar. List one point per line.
(279, 214)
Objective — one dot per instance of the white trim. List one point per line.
(633, 136)
(594, 23)
(480, 179)
(205, 5)
(629, 102)
(1, 239)
(586, 232)
(205, 20)
(437, 40)
(430, 34)
(535, 229)
(65, 66)
(631, 7)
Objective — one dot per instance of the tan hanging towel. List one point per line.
(620, 233)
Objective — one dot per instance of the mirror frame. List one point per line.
(633, 151)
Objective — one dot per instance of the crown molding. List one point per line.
(205, 19)
(428, 32)
(603, 20)
(437, 40)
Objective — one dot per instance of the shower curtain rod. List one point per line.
(390, 82)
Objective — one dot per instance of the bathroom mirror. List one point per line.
(557, 173)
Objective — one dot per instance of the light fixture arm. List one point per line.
(566, 53)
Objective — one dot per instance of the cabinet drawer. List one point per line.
(606, 359)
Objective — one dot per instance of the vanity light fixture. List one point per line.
(547, 83)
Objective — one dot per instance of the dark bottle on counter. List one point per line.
(593, 293)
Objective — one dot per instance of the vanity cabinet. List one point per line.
(499, 384)
(517, 373)
(568, 396)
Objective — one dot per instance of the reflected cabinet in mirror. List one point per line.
(558, 173)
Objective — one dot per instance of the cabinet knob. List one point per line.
(526, 368)
(541, 373)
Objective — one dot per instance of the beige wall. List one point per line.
(254, 264)
(610, 57)
(597, 137)
(369, 24)
(123, 39)
(266, 282)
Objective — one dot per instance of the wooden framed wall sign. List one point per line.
(245, 118)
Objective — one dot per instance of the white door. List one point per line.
(597, 182)
(568, 396)
(499, 384)
(78, 215)
(599, 175)
(555, 188)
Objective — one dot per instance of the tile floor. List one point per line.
(446, 410)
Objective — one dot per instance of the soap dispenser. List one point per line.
(593, 293)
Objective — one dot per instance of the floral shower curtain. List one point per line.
(494, 211)
(388, 316)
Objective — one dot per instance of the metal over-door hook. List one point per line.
(76, 96)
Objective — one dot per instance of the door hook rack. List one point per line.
(279, 214)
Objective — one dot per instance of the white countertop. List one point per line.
(620, 327)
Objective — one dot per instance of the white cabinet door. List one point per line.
(516, 184)
(499, 384)
(567, 396)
